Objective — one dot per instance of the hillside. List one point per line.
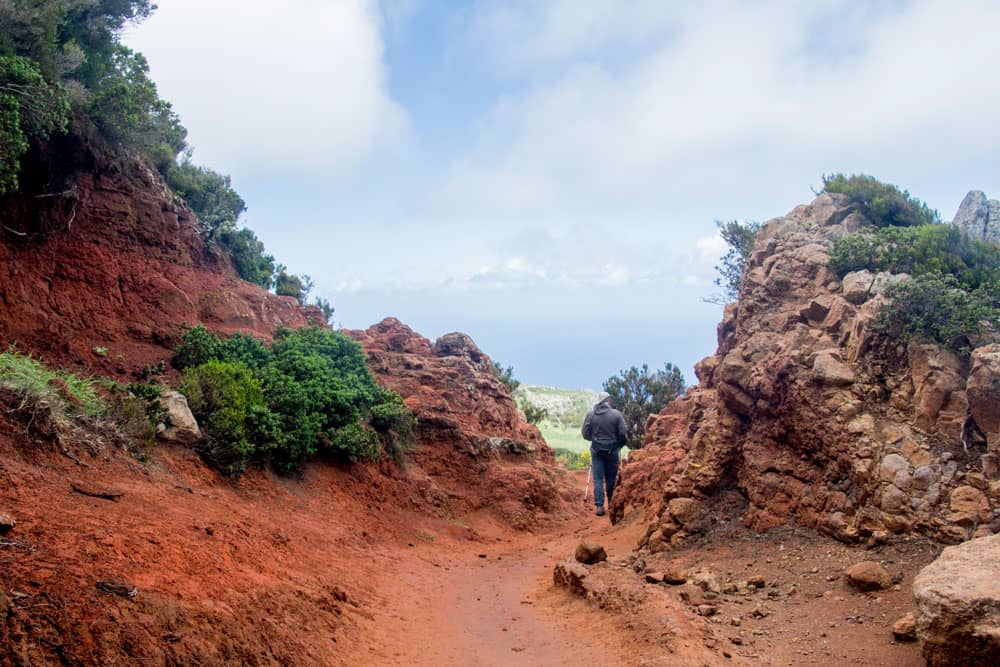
(566, 410)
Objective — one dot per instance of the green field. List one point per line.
(566, 407)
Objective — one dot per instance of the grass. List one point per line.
(33, 380)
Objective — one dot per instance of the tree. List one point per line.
(639, 393)
(506, 376)
(326, 308)
(740, 237)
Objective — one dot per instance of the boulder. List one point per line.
(180, 424)
(958, 605)
(675, 575)
(868, 576)
(589, 553)
(983, 392)
(7, 523)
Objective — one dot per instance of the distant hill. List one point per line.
(566, 407)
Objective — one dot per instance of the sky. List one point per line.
(545, 175)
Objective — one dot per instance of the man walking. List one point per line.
(605, 428)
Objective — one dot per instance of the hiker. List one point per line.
(605, 428)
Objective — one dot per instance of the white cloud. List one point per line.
(733, 98)
(266, 86)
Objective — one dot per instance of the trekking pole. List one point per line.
(586, 489)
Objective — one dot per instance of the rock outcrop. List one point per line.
(104, 275)
(797, 412)
(472, 439)
(958, 604)
(979, 217)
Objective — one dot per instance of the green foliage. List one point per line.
(573, 460)
(921, 250)
(326, 308)
(395, 424)
(228, 402)
(30, 108)
(740, 237)
(127, 110)
(884, 204)
(287, 284)
(250, 259)
(639, 393)
(209, 195)
(65, 393)
(506, 376)
(317, 396)
(533, 414)
(937, 308)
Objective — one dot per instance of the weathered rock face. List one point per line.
(116, 265)
(473, 442)
(979, 217)
(958, 605)
(796, 412)
(179, 424)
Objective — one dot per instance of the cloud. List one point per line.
(729, 99)
(264, 86)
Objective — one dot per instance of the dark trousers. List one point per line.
(605, 474)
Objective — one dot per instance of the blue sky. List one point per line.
(545, 175)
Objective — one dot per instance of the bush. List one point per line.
(639, 393)
(572, 460)
(884, 204)
(936, 308)
(317, 393)
(532, 413)
(228, 402)
(395, 424)
(922, 250)
(740, 237)
(506, 377)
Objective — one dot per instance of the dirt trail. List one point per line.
(490, 604)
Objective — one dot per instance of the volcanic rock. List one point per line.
(868, 576)
(798, 414)
(958, 605)
(122, 277)
(589, 553)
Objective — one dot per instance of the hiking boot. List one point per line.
(600, 510)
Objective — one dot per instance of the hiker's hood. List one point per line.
(601, 408)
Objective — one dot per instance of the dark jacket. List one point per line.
(605, 428)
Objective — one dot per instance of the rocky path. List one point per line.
(488, 605)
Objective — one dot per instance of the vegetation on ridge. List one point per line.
(882, 203)
(64, 71)
(953, 296)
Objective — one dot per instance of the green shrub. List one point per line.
(228, 402)
(395, 424)
(317, 392)
(740, 237)
(532, 413)
(921, 250)
(506, 377)
(249, 256)
(572, 460)
(937, 308)
(884, 204)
